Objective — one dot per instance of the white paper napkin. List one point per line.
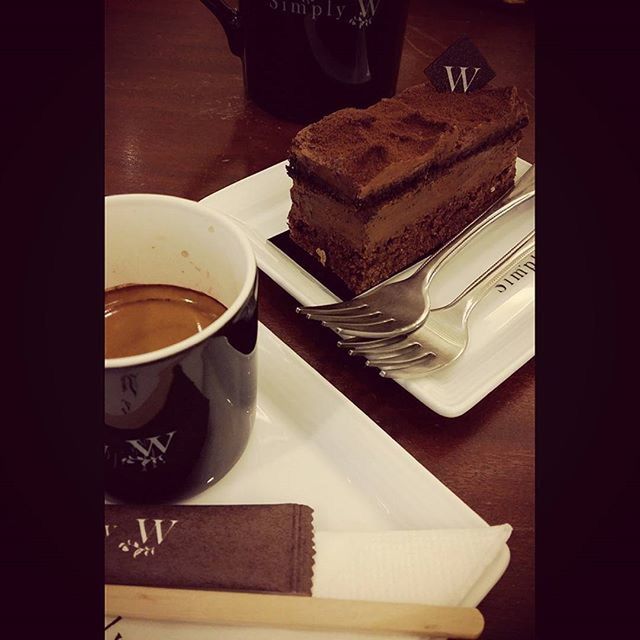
(437, 567)
(440, 567)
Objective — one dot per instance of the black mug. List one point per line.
(303, 59)
(178, 419)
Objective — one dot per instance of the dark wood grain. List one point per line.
(177, 122)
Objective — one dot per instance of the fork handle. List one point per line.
(523, 190)
(484, 283)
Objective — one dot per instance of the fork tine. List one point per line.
(355, 325)
(424, 361)
(404, 358)
(389, 350)
(326, 317)
(354, 343)
(389, 328)
(385, 349)
(368, 332)
(411, 372)
(438, 362)
(336, 307)
(416, 371)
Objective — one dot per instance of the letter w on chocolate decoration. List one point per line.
(462, 75)
(160, 535)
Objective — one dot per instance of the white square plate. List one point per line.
(501, 328)
(312, 445)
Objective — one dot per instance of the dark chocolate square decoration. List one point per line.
(312, 266)
(460, 69)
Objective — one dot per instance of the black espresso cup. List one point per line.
(304, 59)
(177, 419)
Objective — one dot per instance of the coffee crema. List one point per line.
(139, 318)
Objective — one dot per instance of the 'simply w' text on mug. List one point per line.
(303, 59)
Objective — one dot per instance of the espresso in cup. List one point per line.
(139, 318)
(180, 347)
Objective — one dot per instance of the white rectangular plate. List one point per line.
(312, 445)
(501, 328)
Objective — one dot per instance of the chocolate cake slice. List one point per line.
(376, 189)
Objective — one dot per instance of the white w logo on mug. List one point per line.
(152, 450)
(154, 442)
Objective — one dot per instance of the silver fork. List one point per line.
(400, 307)
(445, 335)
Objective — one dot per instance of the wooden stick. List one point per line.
(297, 612)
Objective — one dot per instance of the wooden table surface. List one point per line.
(177, 122)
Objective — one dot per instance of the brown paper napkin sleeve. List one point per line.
(263, 548)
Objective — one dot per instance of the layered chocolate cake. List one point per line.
(374, 190)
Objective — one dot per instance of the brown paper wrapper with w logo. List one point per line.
(262, 548)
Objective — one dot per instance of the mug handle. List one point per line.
(230, 20)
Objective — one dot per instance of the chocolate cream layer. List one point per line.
(363, 228)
